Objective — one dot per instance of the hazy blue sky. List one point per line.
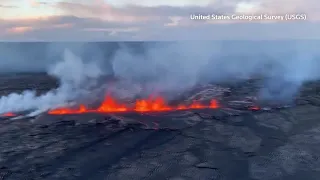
(85, 20)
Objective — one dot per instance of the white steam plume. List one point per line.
(178, 66)
(175, 67)
(75, 77)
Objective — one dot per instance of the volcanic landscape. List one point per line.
(212, 132)
(232, 110)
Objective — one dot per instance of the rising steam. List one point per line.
(169, 68)
(76, 79)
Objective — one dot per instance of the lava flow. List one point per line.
(157, 104)
(9, 114)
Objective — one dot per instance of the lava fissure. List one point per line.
(110, 105)
(9, 114)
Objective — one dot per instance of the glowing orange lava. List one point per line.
(254, 108)
(156, 104)
(9, 114)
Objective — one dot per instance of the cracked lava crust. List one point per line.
(232, 138)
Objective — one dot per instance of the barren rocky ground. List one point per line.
(232, 143)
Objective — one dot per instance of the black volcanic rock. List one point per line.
(229, 143)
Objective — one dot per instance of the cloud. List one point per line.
(99, 21)
(70, 28)
(19, 30)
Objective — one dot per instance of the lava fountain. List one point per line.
(110, 105)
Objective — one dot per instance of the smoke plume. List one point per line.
(76, 78)
(285, 66)
(170, 67)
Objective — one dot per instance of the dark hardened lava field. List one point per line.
(233, 143)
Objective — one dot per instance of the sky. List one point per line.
(131, 20)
